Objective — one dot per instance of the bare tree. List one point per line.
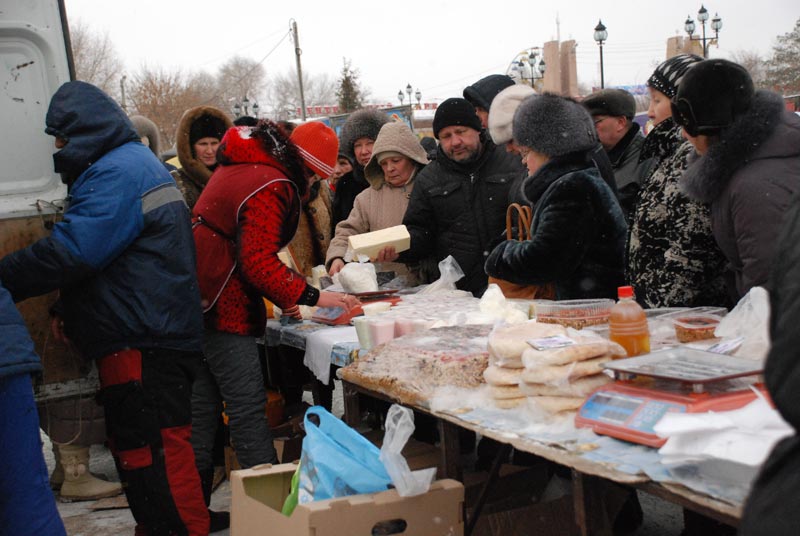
(283, 94)
(163, 96)
(238, 78)
(96, 59)
(754, 64)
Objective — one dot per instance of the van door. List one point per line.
(35, 59)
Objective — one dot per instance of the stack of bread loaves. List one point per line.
(559, 379)
(506, 347)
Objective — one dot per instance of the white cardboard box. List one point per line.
(257, 496)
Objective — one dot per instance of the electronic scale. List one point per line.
(336, 316)
(679, 379)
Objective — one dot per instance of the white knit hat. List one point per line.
(501, 113)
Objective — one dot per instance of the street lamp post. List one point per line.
(400, 96)
(600, 35)
(418, 96)
(527, 65)
(243, 108)
(409, 89)
(702, 16)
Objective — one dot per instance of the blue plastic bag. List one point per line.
(337, 461)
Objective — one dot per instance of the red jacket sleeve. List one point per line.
(261, 237)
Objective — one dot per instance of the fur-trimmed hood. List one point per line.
(396, 137)
(765, 131)
(192, 167)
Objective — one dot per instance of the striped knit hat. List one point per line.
(667, 76)
(318, 146)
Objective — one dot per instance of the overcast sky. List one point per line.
(438, 46)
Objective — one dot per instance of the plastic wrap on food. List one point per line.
(507, 343)
(412, 367)
(358, 277)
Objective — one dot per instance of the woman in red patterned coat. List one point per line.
(246, 213)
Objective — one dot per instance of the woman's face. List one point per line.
(701, 142)
(531, 159)
(343, 167)
(659, 106)
(205, 150)
(397, 170)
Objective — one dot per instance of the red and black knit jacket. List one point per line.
(251, 201)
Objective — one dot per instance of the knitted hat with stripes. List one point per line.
(317, 145)
(667, 76)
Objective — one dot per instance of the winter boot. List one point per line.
(79, 483)
(57, 476)
(217, 520)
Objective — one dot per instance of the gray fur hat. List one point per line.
(147, 129)
(364, 123)
(553, 125)
(501, 114)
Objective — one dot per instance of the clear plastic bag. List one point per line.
(357, 277)
(449, 273)
(399, 427)
(749, 319)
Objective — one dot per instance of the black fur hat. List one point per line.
(711, 96)
(365, 123)
(483, 92)
(553, 125)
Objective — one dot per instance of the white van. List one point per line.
(36, 59)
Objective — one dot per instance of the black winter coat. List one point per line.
(773, 508)
(748, 177)
(577, 234)
(349, 186)
(460, 210)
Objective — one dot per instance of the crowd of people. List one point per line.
(162, 272)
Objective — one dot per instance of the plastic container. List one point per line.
(695, 326)
(574, 313)
(627, 324)
(381, 330)
(361, 324)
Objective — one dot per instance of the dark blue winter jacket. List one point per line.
(16, 347)
(123, 255)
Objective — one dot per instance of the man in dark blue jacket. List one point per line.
(123, 260)
(26, 502)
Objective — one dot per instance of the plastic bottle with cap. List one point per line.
(628, 324)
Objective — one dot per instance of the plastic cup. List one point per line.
(381, 330)
(403, 326)
(361, 324)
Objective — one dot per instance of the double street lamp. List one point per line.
(409, 90)
(528, 65)
(600, 35)
(244, 108)
(702, 16)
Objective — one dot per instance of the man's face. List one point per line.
(205, 150)
(483, 115)
(363, 150)
(460, 143)
(610, 129)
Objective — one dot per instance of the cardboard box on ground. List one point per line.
(257, 496)
(288, 442)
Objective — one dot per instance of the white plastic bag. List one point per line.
(449, 273)
(357, 277)
(749, 319)
(399, 427)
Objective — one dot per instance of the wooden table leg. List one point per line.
(352, 406)
(450, 445)
(590, 514)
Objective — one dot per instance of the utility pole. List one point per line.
(297, 53)
(123, 104)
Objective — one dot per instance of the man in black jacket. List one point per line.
(458, 205)
(612, 111)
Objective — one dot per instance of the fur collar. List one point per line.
(198, 172)
(708, 175)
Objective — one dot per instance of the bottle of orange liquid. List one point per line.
(628, 324)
